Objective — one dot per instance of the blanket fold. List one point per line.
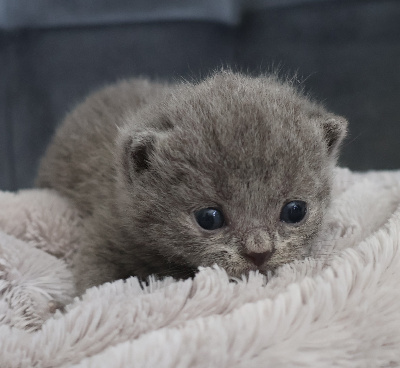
(340, 307)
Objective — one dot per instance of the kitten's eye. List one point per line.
(293, 212)
(210, 218)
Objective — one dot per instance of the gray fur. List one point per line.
(139, 158)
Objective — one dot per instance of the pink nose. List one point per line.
(259, 258)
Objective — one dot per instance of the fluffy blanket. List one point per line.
(339, 308)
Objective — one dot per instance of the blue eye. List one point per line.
(293, 212)
(209, 218)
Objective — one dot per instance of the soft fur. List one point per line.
(138, 159)
(340, 308)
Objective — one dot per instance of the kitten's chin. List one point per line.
(238, 271)
(264, 269)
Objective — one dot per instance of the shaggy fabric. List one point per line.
(339, 308)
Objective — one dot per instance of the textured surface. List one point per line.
(340, 308)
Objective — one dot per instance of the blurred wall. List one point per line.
(54, 52)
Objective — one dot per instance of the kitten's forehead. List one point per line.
(248, 125)
(234, 109)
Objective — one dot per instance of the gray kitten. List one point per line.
(233, 170)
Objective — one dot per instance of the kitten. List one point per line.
(232, 170)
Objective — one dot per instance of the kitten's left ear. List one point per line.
(335, 130)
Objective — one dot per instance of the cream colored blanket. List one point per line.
(339, 308)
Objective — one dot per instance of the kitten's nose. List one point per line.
(259, 258)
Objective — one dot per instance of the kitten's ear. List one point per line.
(335, 130)
(137, 152)
(138, 143)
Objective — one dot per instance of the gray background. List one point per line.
(54, 52)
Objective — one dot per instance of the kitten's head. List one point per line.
(233, 170)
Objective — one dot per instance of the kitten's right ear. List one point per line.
(335, 130)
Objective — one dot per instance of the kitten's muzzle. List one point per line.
(259, 258)
(258, 247)
(257, 241)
